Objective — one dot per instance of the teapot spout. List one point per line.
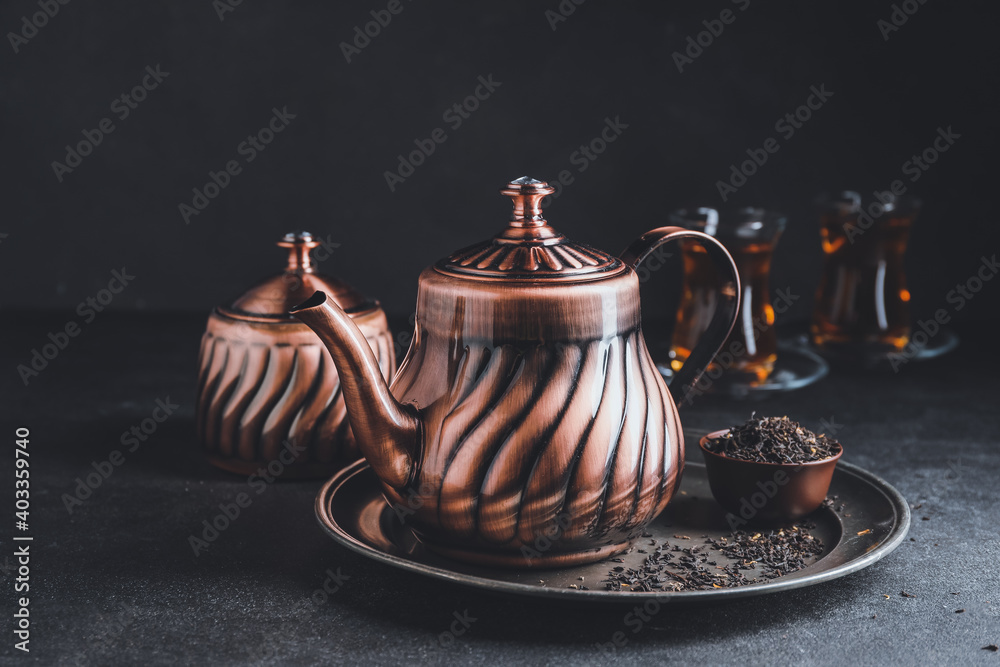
(386, 431)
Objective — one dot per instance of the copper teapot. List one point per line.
(528, 425)
(267, 388)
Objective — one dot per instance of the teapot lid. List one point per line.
(529, 249)
(272, 298)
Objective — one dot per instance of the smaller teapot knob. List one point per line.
(527, 194)
(299, 244)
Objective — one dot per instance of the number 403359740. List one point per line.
(21, 455)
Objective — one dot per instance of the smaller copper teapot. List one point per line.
(528, 411)
(266, 390)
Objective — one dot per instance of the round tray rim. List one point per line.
(896, 536)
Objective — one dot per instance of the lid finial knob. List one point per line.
(299, 244)
(527, 194)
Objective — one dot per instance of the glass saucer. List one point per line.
(943, 342)
(796, 366)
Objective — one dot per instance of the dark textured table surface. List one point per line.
(116, 582)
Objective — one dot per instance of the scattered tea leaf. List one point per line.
(672, 568)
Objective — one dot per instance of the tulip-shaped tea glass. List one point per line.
(862, 308)
(750, 234)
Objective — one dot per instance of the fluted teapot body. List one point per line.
(528, 425)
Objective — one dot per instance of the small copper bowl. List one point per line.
(766, 493)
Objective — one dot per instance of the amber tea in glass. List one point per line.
(862, 304)
(750, 235)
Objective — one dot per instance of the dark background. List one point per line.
(325, 172)
(929, 431)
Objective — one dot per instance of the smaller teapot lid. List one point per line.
(272, 298)
(529, 249)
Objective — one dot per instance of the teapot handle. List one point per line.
(726, 310)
